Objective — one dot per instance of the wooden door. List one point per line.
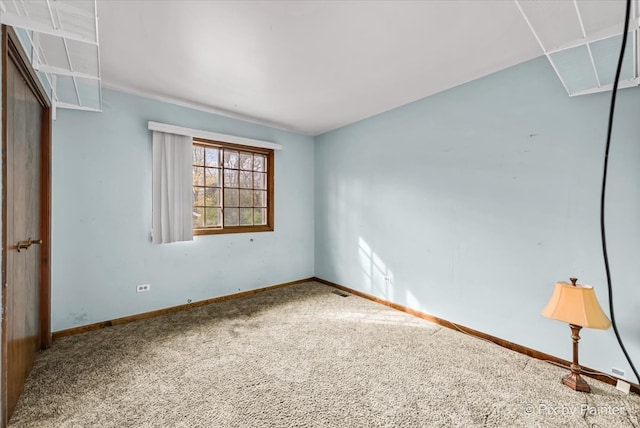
(23, 249)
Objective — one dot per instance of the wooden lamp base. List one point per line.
(573, 380)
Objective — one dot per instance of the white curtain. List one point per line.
(172, 188)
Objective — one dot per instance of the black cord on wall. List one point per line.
(614, 92)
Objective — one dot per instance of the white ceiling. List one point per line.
(313, 66)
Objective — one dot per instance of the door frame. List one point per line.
(12, 50)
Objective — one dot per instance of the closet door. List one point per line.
(23, 247)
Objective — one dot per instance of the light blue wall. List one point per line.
(475, 201)
(101, 217)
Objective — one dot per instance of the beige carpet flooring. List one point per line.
(302, 356)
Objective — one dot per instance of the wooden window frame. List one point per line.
(268, 227)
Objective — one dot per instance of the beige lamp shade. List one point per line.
(577, 305)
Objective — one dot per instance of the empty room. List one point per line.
(320, 213)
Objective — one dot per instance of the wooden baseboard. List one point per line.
(595, 374)
(90, 327)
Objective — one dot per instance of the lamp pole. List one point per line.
(573, 380)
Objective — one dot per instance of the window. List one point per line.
(232, 188)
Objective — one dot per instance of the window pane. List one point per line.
(246, 198)
(198, 155)
(198, 196)
(245, 216)
(213, 217)
(231, 159)
(230, 198)
(212, 177)
(212, 157)
(246, 161)
(259, 198)
(246, 179)
(198, 176)
(230, 216)
(259, 216)
(230, 178)
(231, 187)
(212, 197)
(259, 180)
(198, 217)
(259, 163)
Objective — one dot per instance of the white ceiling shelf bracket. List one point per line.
(66, 51)
(584, 36)
(636, 45)
(95, 20)
(21, 21)
(535, 34)
(38, 58)
(63, 71)
(586, 65)
(76, 107)
(62, 39)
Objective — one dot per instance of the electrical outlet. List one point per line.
(617, 372)
(143, 287)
